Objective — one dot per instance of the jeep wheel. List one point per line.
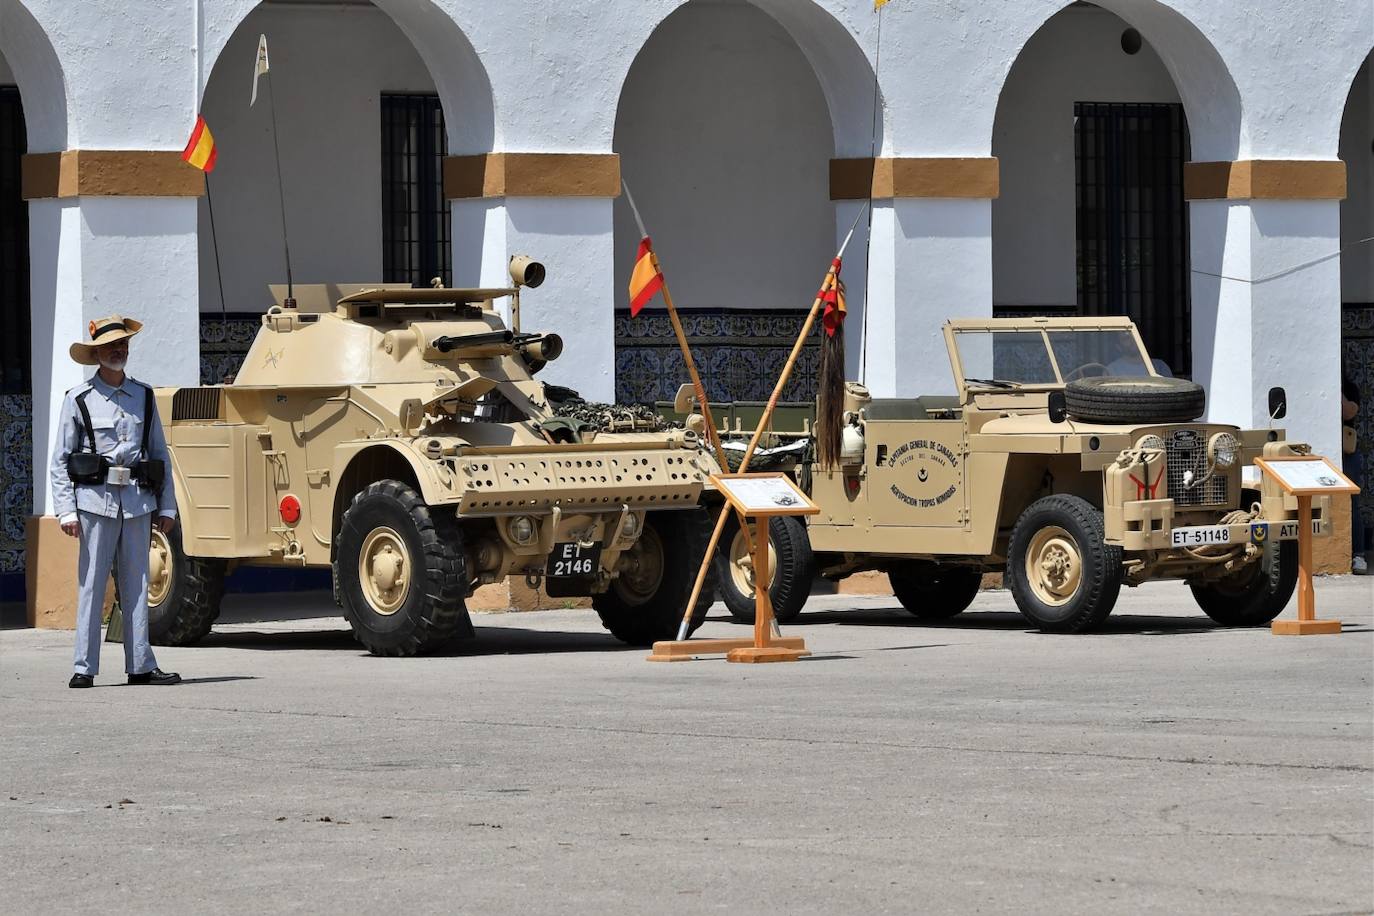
(400, 571)
(791, 568)
(183, 592)
(1257, 593)
(1064, 578)
(646, 601)
(1148, 399)
(930, 591)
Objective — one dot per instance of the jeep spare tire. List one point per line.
(1145, 399)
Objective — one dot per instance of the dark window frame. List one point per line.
(1132, 245)
(16, 363)
(416, 221)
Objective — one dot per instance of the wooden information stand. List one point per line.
(1305, 476)
(757, 498)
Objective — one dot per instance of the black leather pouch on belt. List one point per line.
(87, 467)
(150, 473)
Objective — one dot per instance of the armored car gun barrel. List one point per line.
(399, 436)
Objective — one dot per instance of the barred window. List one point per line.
(15, 370)
(1132, 221)
(415, 214)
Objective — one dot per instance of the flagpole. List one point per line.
(826, 285)
(281, 193)
(219, 274)
(712, 435)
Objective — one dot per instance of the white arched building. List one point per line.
(1197, 165)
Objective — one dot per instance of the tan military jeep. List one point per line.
(398, 436)
(1064, 461)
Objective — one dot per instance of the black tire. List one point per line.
(1089, 597)
(1257, 594)
(643, 609)
(429, 608)
(183, 605)
(1148, 399)
(930, 591)
(793, 570)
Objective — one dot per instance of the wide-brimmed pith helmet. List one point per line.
(103, 331)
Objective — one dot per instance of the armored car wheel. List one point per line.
(1063, 575)
(791, 568)
(930, 591)
(646, 601)
(400, 573)
(183, 592)
(1257, 593)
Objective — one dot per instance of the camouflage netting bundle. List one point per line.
(614, 417)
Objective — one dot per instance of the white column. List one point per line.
(92, 257)
(1273, 318)
(573, 237)
(931, 260)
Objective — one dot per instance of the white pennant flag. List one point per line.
(259, 68)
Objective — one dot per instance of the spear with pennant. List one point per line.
(836, 312)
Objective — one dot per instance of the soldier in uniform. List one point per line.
(108, 479)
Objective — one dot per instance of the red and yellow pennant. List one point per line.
(835, 310)
(647, 279)
(200, 149)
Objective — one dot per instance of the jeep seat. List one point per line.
(926, 407)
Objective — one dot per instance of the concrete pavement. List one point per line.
(1164, 765)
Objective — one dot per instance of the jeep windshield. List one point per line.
(1038, 357)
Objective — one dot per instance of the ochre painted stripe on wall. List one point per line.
(1265, 179)
(532, 175)
(109, 173)
(945, 177)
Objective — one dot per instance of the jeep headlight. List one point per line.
(1151, 441)
(1222, 450)
(522, 530)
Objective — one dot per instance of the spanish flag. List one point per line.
(646, 280)
(200, 149)
(879, 4)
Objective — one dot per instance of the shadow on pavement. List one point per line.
(1137, 624)
(489, 641)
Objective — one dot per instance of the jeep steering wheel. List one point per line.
(1082, 371)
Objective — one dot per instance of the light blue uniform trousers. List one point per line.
(121, 543)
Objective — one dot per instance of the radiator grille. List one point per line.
(196, 404)
(1186, 450)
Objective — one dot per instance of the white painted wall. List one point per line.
(725, 141)
(1076, 57)
(329, 69)
(1357, 210)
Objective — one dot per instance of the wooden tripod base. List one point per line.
(1304, 627)
(773, 653)
(684, 650)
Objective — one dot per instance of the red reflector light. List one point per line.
(290, 509)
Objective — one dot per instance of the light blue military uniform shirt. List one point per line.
(117, 419)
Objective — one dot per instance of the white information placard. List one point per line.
(765, 494)
(1308, 475)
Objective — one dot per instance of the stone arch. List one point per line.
(459, 75)
(1209, 93)
(726, 122)
(39, 74)
(333, 69)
